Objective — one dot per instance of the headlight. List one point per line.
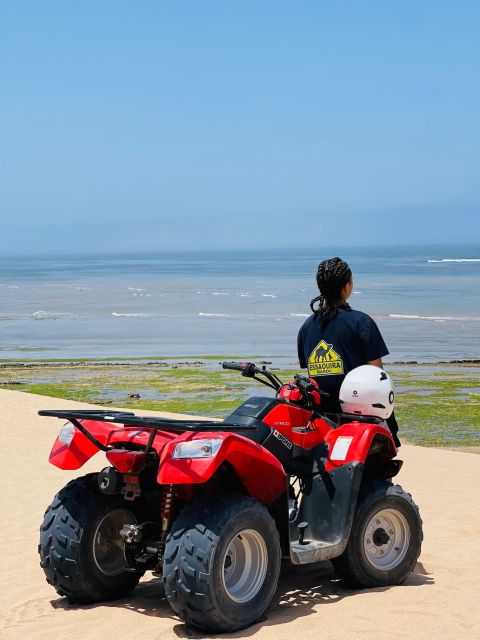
(206, 448)
(66, 433)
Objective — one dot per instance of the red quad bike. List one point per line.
(213, 506)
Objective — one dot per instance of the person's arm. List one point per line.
(301, 356)
(373, 347)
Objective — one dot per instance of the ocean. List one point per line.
(426, 301)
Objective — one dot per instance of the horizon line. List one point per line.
(270, 249)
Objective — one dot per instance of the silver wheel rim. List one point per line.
(244, 565)
(108, 545)
(386, 539)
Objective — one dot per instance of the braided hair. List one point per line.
(332, 276)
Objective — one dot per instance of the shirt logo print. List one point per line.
(324, 361)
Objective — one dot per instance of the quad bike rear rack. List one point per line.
(154, 423)
(129, 419)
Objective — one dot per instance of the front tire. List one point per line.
(222, 562)
(385, 540)
(80, 548)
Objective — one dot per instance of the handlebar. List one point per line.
(250, 370)
(236, 366)
(306, 385)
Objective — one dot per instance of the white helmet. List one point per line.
(367, 391)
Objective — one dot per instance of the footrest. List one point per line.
(314, 551)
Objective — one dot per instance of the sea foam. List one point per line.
(437, 318)
(456, 260)
(130, 315)
(46, 315)
(214, 315)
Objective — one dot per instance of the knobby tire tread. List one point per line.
(190, 544)
(348, 566)
(60, 540)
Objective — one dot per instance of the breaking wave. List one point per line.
(214, 293)
(437, 318)
(130, 315)
(241, 294)
(67, 286)
(47, 315)
(456, 260)
(214, 315)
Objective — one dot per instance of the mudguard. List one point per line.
(352, 442)
(72, 455)
(75, 454)
(328, 503)
(260, 472)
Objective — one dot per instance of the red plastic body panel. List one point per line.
(74, 455)
(80, 450)
(357, 449)
(285, 418)
(292, 393)
(260, 472)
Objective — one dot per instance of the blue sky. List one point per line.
(168, 125)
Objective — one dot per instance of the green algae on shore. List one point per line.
(436, 404)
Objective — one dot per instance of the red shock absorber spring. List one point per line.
(167, 500)
(166, 506)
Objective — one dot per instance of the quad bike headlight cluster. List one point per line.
(202, 448)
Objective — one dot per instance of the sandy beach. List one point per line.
(439, 600)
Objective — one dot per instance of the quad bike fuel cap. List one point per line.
(367, 391)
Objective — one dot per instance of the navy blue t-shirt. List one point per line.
(351, 339)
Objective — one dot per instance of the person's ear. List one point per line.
(347, 290)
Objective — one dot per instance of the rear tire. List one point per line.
(79, 548)
(222, 562)
(385, 540)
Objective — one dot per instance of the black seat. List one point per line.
(251, 413)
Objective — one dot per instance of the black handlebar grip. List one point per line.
(236, 366)
(304, 384)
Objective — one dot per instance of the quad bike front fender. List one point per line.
(260, 472)
(356, 453)
(353, 442)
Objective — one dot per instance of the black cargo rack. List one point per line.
(131, 420)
